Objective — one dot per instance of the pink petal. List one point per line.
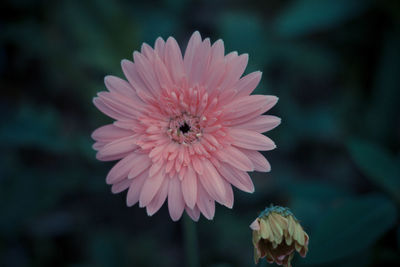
(216, 66)
(109, 133)
(235, 69)
(217, 52)
(197, 165)
(246, 108)
(131, 125)
(130, 70)
(136, 187)
(162, 74)
(119, 104)
(146, 72)
(193, 213)
(120, 170)
(132, 101)
(216, 74)
(251, 140)
(261, 124)
(261, 164)
(119, 86)
(212, 182)
(205, 203)
(255, 225)
(151, 187)
(189, 188)
(111, 112)
(156, 167)
(190, 53)
(120, 186)
(119, 146)
(113, 157)
(157, 151)
(238, 178)
(159, 198)
(98, 145)
(148, 52)
(140, 163)
(159, 47)
(226, 96)
(246, 85)
(235, 157)
(231, 56)
(201, 59)
(176, 204)
(173, 60)
(228, 199)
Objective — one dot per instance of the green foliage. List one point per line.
(32, 128)
(251, 41)
(381, 111)
(308, 16)
(378, 166)
(310, 200)
(350, 228)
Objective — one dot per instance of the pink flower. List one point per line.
(186, 128)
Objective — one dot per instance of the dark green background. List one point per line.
(334, 64)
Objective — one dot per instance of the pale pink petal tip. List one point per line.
(186, 127)
(255, 225)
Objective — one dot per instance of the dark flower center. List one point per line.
(184, 128)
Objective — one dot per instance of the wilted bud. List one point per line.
(276, 235)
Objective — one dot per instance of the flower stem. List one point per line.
(191, 248)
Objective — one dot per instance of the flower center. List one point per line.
(184, 129)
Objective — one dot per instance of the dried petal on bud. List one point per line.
(277, 234)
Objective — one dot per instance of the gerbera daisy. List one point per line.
(185, 129)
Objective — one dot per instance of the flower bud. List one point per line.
(277, 234)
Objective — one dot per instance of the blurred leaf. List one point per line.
(27, 193)
(324, 127)
(351, 228)
(155, 24)
(310, 200)
(23, 32)
(308, 211)
(308, 58)
(42, 129)
(320, 192)
(251, 39)
(31, 127)
(176, 5)
(382, 110)
(308, 16)
(95, 35)
(378, 165)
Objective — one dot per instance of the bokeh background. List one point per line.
(334, 64)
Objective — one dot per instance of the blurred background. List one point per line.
(334, 64)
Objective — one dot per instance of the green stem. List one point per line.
(190, 236)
